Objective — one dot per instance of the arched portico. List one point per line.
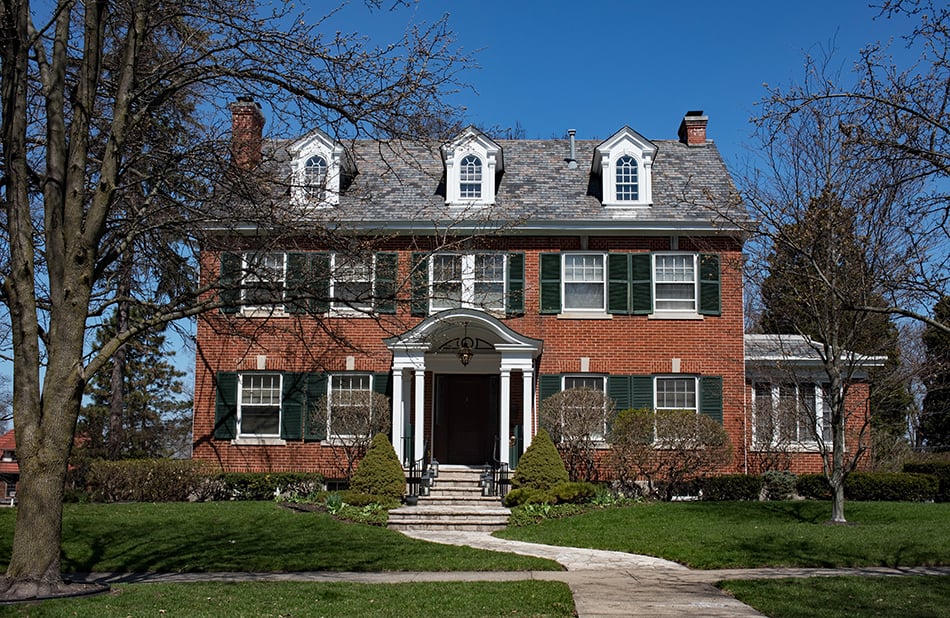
(469, 358)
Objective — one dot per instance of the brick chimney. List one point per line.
(693, 128)
(247, 128)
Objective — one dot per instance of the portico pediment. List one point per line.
(440, 329)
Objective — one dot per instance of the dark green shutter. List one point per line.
(514, 298)
(293, 402)
(641, 283)
(710, 397)
(709, 285)
(641, 392)
(320, 274)
(298, 273)
(550, 282)
(383, 384)
(384, 292)
(548, 385)
(230, 282)
(618, 283)
(419, 282)
(315, 427)
(225, 406)
(618, 389)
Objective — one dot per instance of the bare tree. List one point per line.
(577, 421)
(85, 89)
(350, 421)
(667, 448)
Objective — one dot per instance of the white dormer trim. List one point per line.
(478, 191)
(625, 142)
(338, 163)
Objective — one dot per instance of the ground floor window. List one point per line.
(259, 404)
(790, 414)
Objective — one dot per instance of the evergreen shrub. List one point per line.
(940, 469)
(732, 487)
(379, 473)
(891, 486)
(780, 484)
(541, 466)
(528, 495)
(813, 486)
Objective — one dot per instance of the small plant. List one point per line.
(334, 503)
(541, 466)
(779, 484)
(380, 473)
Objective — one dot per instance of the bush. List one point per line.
(143, 480)
(528, 495)
(573, 493)
(732, 487)
(779, 484)
(813, 486)
(357, 498)
(541, 467)
(530, 514)
(891, 486)
(939, 469)
(248, 486)
(379, 472)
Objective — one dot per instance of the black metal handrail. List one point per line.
(495, 479)
(419, 478)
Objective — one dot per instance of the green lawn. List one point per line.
(246, 536)
(457, 599)
(846, 597)
(711, 535)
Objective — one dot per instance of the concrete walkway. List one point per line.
(604, 583)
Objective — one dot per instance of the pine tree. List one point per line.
(153, 420)
(934, 431)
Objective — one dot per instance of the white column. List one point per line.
(527, 407)
(418, 426)
(504, 423)
(397, 411)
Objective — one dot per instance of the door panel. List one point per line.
(466, 419)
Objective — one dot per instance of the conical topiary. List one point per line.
(541, 466)
(379, 472)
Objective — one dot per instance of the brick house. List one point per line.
(9, 469)
(468, 281)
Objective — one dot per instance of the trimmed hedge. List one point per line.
(144, 480)
(937, 468)
(873, 487)
(732, 487)
(562, 493)
(246, 486)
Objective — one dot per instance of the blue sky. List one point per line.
(595, 66)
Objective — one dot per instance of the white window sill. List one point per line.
(253, 312)
(630, 204)
(787, 448)
(254, 441)
(349, 312)
(584, 315)
(674, 315)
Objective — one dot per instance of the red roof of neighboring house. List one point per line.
(8, 443)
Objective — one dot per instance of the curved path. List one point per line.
(604, 583)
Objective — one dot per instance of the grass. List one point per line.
(197, 600)
(845, 597)
(712, 535)
(246, 536)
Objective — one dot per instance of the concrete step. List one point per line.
(473, 515)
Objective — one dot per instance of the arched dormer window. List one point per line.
(315, 177)
(628, 185)
(470, 177)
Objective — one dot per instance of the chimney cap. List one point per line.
(692, 131)
(694, 112)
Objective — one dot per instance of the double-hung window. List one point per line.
(676, 393)
(675, 281)
(259, 405)
(264, 277)
(470, 177)
(351, 398)
(790, 414)
(594, 383)
(468, 280)
(353, 282)
(584, 283)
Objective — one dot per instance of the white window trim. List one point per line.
(675, 376)
(579, 312)
(471, 142)
(245, 439)
(341, 308)
(625, 142)
(267, 310)
(810, 445)
(599, 441)
(317, 144)
(675, 314)
(332, 438)
(468, 281)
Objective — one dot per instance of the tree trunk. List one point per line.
(837, 503)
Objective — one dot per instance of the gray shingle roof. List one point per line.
(402, 185)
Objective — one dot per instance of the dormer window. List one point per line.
(628, 187)
(470, 177)
(624, 163)
(318, 168)
(473, 163)
(315, 177)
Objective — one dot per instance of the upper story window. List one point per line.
(628, 186)
(675, 282)
(473, 162)
(318, 168)
(624, 163)
(315, 177)
(259, 399)
(263, 280)
(790, 415)
(470, 177)
(584, 282)
(489, 281)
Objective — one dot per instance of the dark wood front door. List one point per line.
(466, 419)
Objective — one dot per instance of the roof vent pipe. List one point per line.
(572, 159)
